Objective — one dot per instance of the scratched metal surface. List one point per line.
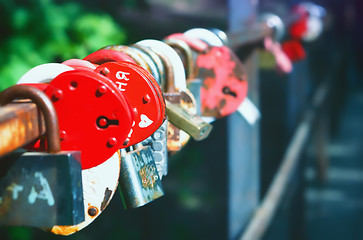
(38, 189)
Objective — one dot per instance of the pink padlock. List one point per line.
(283, 62)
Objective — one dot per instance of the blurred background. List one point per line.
(214, 186)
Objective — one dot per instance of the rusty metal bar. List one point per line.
(44, 104)
(266, 211)
(20, 124)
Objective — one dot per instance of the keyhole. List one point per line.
(103, 122)
(226, 90)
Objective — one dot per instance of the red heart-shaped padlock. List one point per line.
(143, 94)
(224, 81)
(94, 117)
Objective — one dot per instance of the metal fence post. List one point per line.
(243, 139)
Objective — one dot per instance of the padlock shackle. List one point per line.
(131, 53)
(44, 104)
(186, 52)
(194, 43)
(169, 85)
(107, 55)
(156, 60)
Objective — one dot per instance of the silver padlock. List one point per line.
(139, 183)
(158, 143)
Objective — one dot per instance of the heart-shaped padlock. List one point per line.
(94, 116)
(224, 81)
(143, 94)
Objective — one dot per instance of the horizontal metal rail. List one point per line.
(20, 124)
(266, 211)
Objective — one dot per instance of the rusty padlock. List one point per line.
(216, 38)
(224, 79)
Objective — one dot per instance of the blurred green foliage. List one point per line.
(34, 32)
(19, 233)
